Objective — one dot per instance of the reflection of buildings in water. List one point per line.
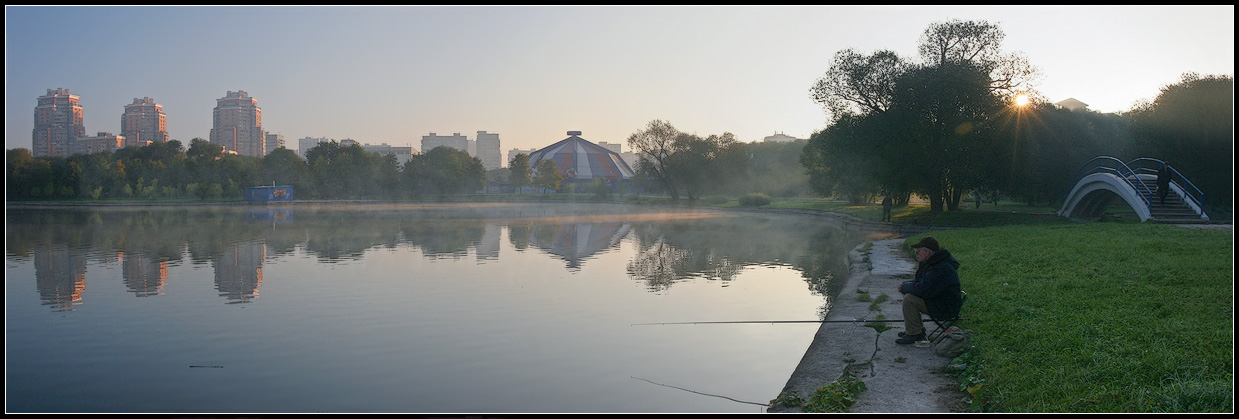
(488, 246)
(60, 276)
(577, 242)
(143, 277)
(238, 271)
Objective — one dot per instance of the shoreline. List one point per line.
(898, 378)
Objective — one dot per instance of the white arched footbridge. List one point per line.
(1107, 180)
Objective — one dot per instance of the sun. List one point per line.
(1021, 100)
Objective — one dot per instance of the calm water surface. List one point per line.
(448, 308)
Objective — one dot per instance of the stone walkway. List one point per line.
(898, 378)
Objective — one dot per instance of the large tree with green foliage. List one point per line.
(444, 170)
(921, 128)
(547, 175)
(1191, 124)
(655, 144)
(519, 167)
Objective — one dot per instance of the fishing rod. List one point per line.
(781, 321)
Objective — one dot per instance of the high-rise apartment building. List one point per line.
(57, 124)
(456, 141)
(488, 150)
(143, 123)
(237, 125)
(274, 141)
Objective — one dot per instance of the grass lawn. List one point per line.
(1097, 317)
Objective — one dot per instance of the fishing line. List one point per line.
(703, 394)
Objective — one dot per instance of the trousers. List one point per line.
(913, 307)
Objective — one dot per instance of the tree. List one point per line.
(922, 128)
(840, 159)
(858, 84)
(655, 144)
(202, 151)
(548, 175)
(940, 113)
(980, 44)
(1191, 124)
(706, 164)
(444, 170)
(519, 167)
(284, 166)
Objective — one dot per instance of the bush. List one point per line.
(754, 200)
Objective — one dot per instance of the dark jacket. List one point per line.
(937, 282)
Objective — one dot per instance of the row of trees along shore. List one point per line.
(939, 127)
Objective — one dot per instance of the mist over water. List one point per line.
(431, 308)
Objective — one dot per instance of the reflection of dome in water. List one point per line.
(579, 159)
(578, 242)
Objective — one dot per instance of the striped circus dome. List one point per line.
(581, 160)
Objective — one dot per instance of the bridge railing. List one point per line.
(1107, 164)
(1145, 165)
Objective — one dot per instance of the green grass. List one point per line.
(835, 397)
(1097, 317)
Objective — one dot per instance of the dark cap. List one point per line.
(928, 243)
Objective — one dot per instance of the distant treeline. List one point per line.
(163, 171)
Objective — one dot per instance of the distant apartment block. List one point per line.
(305, 144)
(144, 123)
(237, 125)
(57, 124)
(274, 141)
(488, 150)
(616, 147)
(456, 141)
(403, 154)
(104, 141)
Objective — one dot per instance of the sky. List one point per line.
(392, 74)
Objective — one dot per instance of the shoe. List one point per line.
(906, 339)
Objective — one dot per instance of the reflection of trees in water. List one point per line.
(715, 248)
(658, 264)
(718, 248)
(443, 237)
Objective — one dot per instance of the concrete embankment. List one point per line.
(898, 378)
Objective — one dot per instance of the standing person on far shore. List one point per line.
(886, 208)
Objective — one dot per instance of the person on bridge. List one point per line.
(934, 290)
(1163, 182)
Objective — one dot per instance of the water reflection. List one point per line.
(145, 276)
(717, 249)
(238, 271)
(60, 276)
(236, 242)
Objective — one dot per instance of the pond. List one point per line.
(414, 308)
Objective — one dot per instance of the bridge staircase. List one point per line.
(1175, 210)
